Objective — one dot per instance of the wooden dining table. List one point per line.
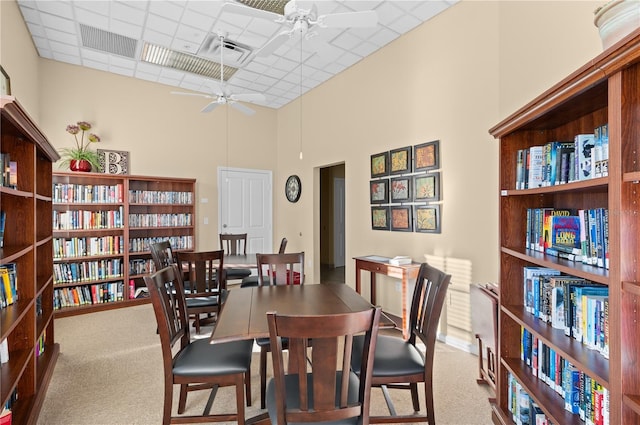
(244, 314)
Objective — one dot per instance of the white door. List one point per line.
(338, 222)
(245, 206)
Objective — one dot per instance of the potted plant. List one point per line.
(615, 19)
(80, 158)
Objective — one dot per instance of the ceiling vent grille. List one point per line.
(162, 56)
(109, 42)
(275, 6)
(233, 53)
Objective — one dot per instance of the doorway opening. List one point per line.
(332, 230)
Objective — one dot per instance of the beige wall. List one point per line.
(450, 79)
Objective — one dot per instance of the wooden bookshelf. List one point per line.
(27, 244)
(102, 227)
(605, 90)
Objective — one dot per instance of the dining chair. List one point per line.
(326, 390)
(253, 280)
(400, 364)
(234, 244)
(208, 290)
(268, 267)
(195, 365)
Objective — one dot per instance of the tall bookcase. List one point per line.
(102, 227)
(27, 324)
(605, 90)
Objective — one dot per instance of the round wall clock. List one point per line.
(293, 188)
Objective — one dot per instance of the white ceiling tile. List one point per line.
(94, 56)
(347, 41)
(161, 25)
(171, 73)
(127, 12)
(404, 24)
(157, 38)
(45, 53)
(41, 43)
(92, 19)
(36, 30)
(96, 65)
(122, 62)
(63, 57)
(55, 22)
(168, 81)
(98, 7)
(30, 15)
(148, 68)
(125, 28)
(388, 12)
(429, 9)
(138, 4)
(383, 37)
(58, 8)
(166, 9)
(66, 49)
(62, 37)
(121, 71)
(365, 49)
(147, 77)
(197, 20)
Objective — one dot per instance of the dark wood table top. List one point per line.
(244, 314)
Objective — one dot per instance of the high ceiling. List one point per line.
(113, 35)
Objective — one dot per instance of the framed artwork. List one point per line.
(427, 218)
(400, 161)
(113, 162)
(401, 189)
(6, 81)
(401, 220)
(380, 218)
(426, 156)
(379, 191)
(380, 164)
(426, 187)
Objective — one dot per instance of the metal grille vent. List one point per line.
(275, 6)
(109, 42)
(233, 53)
(162, 56)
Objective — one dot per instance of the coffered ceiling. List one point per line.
(114, 36)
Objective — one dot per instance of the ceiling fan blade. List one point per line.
(252, 12)
(242, 108)
(274, 44)
(210, 107)
(248, 97)
(181, 93)
(364, 19)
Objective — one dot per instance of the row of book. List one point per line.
(3, 222)
(8, 284)
(41, 344)
(577, 306)
(5, 413)
(582, 394)
(559, 162)
(160, 220)
(576, 235)
(160, 197)
(88, 294)
(87, 271)
(89, 220)
(9, 174)
(141, 266)
(87, 193)
(144, 244)
(87, 246)
(524, 410)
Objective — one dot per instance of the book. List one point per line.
(585, 145)
(400, 260)
(3, 220)
(536, 164)
(4, 351)
(604, 136)
(5, 416)
(565, 233)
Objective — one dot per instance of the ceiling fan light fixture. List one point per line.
(181, 61)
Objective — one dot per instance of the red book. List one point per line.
(5, 417)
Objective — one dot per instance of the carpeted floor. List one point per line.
(110, 372)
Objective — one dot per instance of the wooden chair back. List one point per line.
(204, 270)
(283, 246)
(426, 306)
(329, 390)
(233, 244)
(280, 269)
(162, 254)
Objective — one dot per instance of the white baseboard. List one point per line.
(459, 344)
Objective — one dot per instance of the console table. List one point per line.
(380, 265)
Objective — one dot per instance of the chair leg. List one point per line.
(182, 402)
(414, 396)
(197, 323)
(428, 402)
(240, 398)
(247, 385)
(168, 403)
(263, 376)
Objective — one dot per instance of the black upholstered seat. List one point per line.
(196, 358)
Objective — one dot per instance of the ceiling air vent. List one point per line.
(105, 41)
(275, 6)
(233, 53)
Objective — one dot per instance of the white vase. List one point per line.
(616, 19)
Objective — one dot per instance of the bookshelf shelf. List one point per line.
(115, 195)
(604, 91)
(27, 252)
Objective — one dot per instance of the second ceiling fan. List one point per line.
(222, 96)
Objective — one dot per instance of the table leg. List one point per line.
(373, 288)
(357, 277)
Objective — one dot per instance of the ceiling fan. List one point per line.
(221, 96)
(301, 19)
